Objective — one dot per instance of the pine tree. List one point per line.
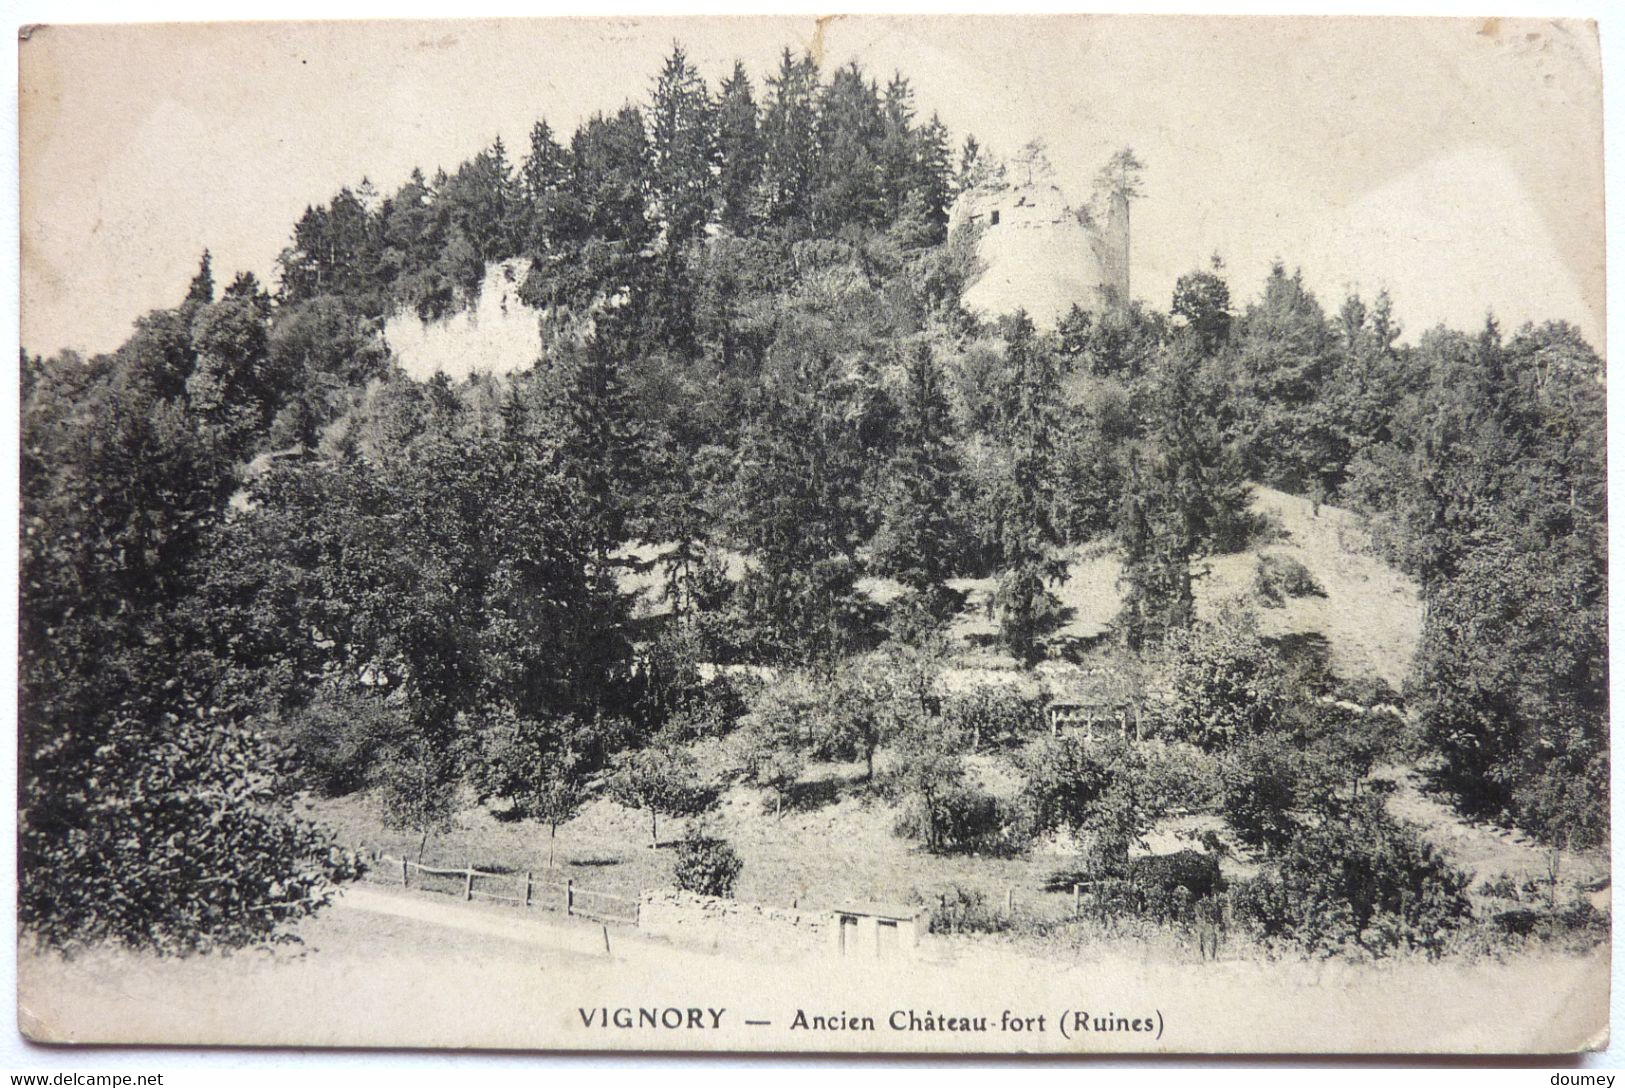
(790, 140)
(682, 151)
(898, 151)
(739, 148)
(848, 185)
(542, 177)
(971, 165)
(600, 443)
(916, 541)
(932, 181)
(1184, 495)
(1026, 526)
(201, 290)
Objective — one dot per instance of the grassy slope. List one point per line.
(1370, 617)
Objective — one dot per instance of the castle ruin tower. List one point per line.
(1114, 256)
(1117, 185)
(1038, 251)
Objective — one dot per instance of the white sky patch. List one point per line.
(1455, 238)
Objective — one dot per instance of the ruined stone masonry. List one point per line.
(1040, 252)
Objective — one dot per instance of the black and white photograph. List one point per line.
(1025, 534)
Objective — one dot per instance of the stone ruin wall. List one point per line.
(1040, 252)
(729, 923)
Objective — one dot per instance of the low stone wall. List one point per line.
(728, 923)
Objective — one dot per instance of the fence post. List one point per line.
(527, 888)
(569, 896)
(403, 872)
(1009, 899)
(468, 882)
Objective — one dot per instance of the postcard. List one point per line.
(999, 534)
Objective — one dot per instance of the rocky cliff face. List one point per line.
(1039, 251)
(498, 335)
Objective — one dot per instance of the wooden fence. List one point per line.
(523, 890)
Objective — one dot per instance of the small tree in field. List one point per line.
(929, 770)
(539, 767)
(417, 787)
(1108, 789)
(662, 780)
(860, 710)
(780, 722)
(771, 756)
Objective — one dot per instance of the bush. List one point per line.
(1160, 886)
(1225, 683)
(1166, 884)
(964, 910)
(1578, 927)
(997, 716)
(706, 866)
(1358, 883)
(1262, 781)
(337, 736)
(1278, 577)
(1184, 777)
(174, 836)
(962, 819)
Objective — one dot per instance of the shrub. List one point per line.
(1517, 923)
(1278, 577)
(706, 866)
(337, 737)
(1226, 684)
(1160, 886)
(1167, 883)
(962, 819)
(998, 716)
(1358, 883)
(963, 910)
(1262, 780)
(1578, 927)
(175, 836)
(1182, 775)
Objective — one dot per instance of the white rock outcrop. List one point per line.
(498, 335)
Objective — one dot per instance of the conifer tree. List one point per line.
(790, 139)
(916, 542)
(1026, 528)
(932, 180)
(848, 186)
(682, 151)
(201, 290)
(542, 178)
(739, 149)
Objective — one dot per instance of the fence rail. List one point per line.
(523, 890)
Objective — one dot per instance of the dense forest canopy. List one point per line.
(257, 558)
